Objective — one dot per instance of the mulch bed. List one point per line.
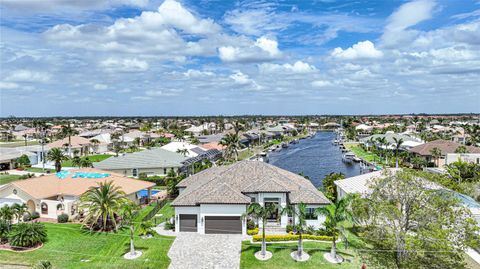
(7, 246)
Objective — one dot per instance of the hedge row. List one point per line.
(252, 231)
(290, 237)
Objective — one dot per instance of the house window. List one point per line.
(164, 171)
(134, 172)
(310, 214)
(253, 199)
(44, 208)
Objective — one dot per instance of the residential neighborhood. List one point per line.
(246, 134)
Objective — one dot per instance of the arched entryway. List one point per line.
(31, 206)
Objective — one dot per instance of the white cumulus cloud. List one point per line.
(124, 65)
(361, 50)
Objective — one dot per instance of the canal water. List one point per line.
(315, 157)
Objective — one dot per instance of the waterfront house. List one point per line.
(445, 147)
(54, 194)
(214, 200)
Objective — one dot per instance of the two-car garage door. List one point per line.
(213, 224)
(223, 225)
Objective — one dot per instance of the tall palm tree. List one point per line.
(103, 204)
(262, 212)
(436, 154)
(58, 156)
(289, 210)
(336, 215)
(232, 144)
(128, 213)
(68, 131)
(397, 145)
(383, 143)
(300, 214)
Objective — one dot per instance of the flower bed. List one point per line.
(252, 232)
(291, 237)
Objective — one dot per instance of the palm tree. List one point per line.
(262, 212)
(7, 214)
(232, 144)
(289, 210)
(383, 142)
(436, 154)
(461, 149)
(184, 152)
(103, 202)
(398, 144)
(128, 212)
(68, 131)
(58, 156)
(300, 214)
(19, 210)
(95, 143)
(77, 161)
(86, 162)
(336, 214)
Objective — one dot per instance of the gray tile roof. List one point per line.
(150, 158)
(228, 185)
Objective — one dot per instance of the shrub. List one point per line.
(4, 231)
(35, 215)
(290, 228)
(253, 231)
(62, 218)
(290, 237)
(250, 224)
(169, 226)
(27, 217)
(28, 234)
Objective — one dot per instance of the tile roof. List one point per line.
(76, 141)
(51, 185)
(445, 147)
(245, 177)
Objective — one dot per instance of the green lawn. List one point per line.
(281, 256)
(361, 153)
(39, 170)
(167, 211)
(4, 179)
(92, 158)
(69, 246)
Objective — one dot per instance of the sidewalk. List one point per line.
(473, 254)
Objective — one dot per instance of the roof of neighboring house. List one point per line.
(445, 147)
(213, 145)
(52, 185)
(210, 138)
(193, 150)
(76, 142)
(229, 184)
(390, 137)
(150, 158)
(7, 154)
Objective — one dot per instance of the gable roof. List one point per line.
(445, 147)
(245, 177)
(150, 158)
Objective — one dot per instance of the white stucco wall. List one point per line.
(209, 210)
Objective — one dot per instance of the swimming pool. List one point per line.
(144, 193)
(65, 174)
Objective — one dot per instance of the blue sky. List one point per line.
(215, 57)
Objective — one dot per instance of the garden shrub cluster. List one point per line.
(290, 237)
(62, 218)
(253, 231)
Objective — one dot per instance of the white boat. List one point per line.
(348, 157)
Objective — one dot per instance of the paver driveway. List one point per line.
(205, 251)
